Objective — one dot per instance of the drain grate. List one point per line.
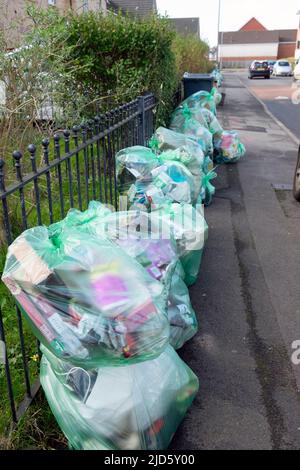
(234, 86)
(282, 187)
(253, 129)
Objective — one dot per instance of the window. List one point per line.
(298, 47)
(85, 6)
(52, 2)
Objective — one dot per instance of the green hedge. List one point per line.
(114, 55)
(120, 57)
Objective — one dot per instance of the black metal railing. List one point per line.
(66, 171)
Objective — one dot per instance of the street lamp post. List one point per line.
(220, 43)
(219, 19)
(297, 53)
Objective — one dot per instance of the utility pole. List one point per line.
(297, 53)
(220, 43)
(219, 21)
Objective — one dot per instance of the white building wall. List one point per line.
(248, 50)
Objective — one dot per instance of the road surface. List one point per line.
(247, 297)
(281, 96)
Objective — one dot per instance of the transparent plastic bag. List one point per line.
(134, 233)
(208, 190)
(210, 119)
(136, 407)
(202, 99)
(216, 95)
(190, 153)
(173, 180)
(134, 164)
(178, 147)
(191, 120)
(85, 299)
(228, 147)
(217, 75)
(182, 318)
(180, 222)
(189, 229)
(154, 181)
(159, 258)
(185, 124)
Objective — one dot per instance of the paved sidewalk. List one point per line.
(248, 296)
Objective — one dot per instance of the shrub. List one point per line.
(191, 55)
(114, 56)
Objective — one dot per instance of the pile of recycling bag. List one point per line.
(106, 293)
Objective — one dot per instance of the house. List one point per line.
(185, 26)
(14, 21)
(139, 8)
(254, 41)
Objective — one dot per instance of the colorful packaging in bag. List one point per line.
(190, 122)
(85, 299)
(133, 232)
(180, 222)
(173, 146)
(153, 182)
(174, 180)
(137, 407)
(228, 147)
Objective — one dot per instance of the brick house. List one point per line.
(254, 41)
(14, 22)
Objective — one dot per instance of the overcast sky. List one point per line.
(273, 14)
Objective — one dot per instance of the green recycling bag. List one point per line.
(228, 147)
(188, 150)
(147, 179)
(174, 146)
(181, 315)
(216, 95)
(189, 229)
(181, 222)
(184, 122)
(133, 407)
(202, 99)
(142, 241)
(85, 298)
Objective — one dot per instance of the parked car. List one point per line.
(282, 68)
(296, 186)
(271, 64)
(297, 70)
(259, 68)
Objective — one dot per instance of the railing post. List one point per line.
(142, 121)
